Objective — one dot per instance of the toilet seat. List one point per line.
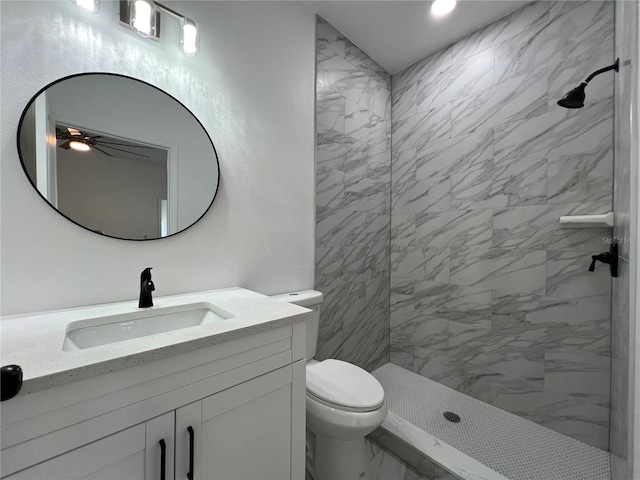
(344, 386)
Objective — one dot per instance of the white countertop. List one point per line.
(34, 341)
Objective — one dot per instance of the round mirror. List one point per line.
(118, 156)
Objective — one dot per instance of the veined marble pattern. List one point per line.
(459, 155)
(514, 99)
(353, 201)
(520, 183)
(534, 15)
(537, 227)
(462, 227)
(558, 134)
(429, 195)
(489, 295)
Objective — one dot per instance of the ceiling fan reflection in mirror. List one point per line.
(85, 141)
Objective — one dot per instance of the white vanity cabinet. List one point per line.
(243, 399)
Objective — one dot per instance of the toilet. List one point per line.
(344, 404)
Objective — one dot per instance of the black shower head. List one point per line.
(575, 98)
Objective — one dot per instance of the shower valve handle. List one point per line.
(602, 257)
(610, 258)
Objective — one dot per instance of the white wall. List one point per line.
(252, 87)
(117, 196)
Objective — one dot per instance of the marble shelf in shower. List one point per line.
(587, 221)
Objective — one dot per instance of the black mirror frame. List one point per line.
(26, 108)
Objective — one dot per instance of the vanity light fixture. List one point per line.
(189, 38)
(439, 8)
(91, 6)
(143, 17)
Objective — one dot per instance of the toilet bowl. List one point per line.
(344, 404)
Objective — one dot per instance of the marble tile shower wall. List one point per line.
(488, 294)
(353, 128)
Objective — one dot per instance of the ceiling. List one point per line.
(398, 33)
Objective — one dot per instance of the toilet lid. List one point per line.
(344, 384)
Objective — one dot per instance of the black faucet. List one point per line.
(146, 287)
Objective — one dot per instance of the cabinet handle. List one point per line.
(192, 441)
(163, 459)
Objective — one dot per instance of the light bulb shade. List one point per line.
(91, 6)
(189, 37)
(79, 145)
(143, 17)
(574, 98)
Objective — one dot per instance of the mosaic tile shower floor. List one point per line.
(515, 447)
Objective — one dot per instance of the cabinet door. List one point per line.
(189, 442)
(246, 430)
(118, 456)
(159, 451)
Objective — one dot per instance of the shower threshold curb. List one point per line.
(420, 449)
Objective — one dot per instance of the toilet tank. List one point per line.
(310, 299)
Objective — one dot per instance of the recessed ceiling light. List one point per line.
(442, 7)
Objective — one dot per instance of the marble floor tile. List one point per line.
(515, 271)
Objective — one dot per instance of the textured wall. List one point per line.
(352, 201)
(626, 184)
(252, 86)
(488, 294)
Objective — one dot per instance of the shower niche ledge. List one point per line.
(605, 220)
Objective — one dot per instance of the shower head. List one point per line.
(575, 98)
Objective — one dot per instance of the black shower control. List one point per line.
(11, 381)
(610, 258)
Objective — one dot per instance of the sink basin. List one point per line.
(108, 329)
